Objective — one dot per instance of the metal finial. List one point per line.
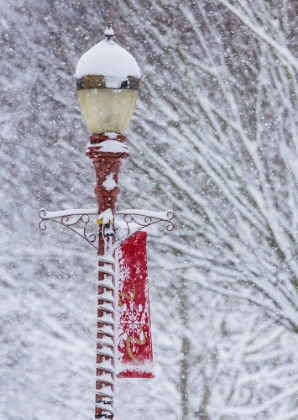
(109, 33)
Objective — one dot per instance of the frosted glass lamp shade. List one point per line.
(107, 110)
(107, 79)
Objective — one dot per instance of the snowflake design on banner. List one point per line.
(132, 322)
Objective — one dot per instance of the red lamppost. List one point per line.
(107, 85)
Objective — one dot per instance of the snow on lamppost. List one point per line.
(107, 79)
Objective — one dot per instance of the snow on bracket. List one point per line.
(132, 221)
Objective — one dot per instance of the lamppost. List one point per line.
(107, 85)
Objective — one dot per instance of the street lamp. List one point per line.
(107, 78)
(107, 85)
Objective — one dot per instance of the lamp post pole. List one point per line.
(107, 165)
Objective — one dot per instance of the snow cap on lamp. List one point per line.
(107, 83)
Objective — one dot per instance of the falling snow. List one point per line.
(214, 137)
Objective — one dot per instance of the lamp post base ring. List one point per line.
(98, 138)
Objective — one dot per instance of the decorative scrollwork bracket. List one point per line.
(75, 220)
(132, 220)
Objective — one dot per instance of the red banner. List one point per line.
(135, 356)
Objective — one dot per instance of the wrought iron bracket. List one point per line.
(126, 223)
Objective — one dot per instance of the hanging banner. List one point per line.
(133, 341)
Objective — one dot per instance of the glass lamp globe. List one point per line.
(107, 79)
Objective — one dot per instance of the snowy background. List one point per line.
(215, 138)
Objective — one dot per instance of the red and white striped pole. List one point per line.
(107, 155)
